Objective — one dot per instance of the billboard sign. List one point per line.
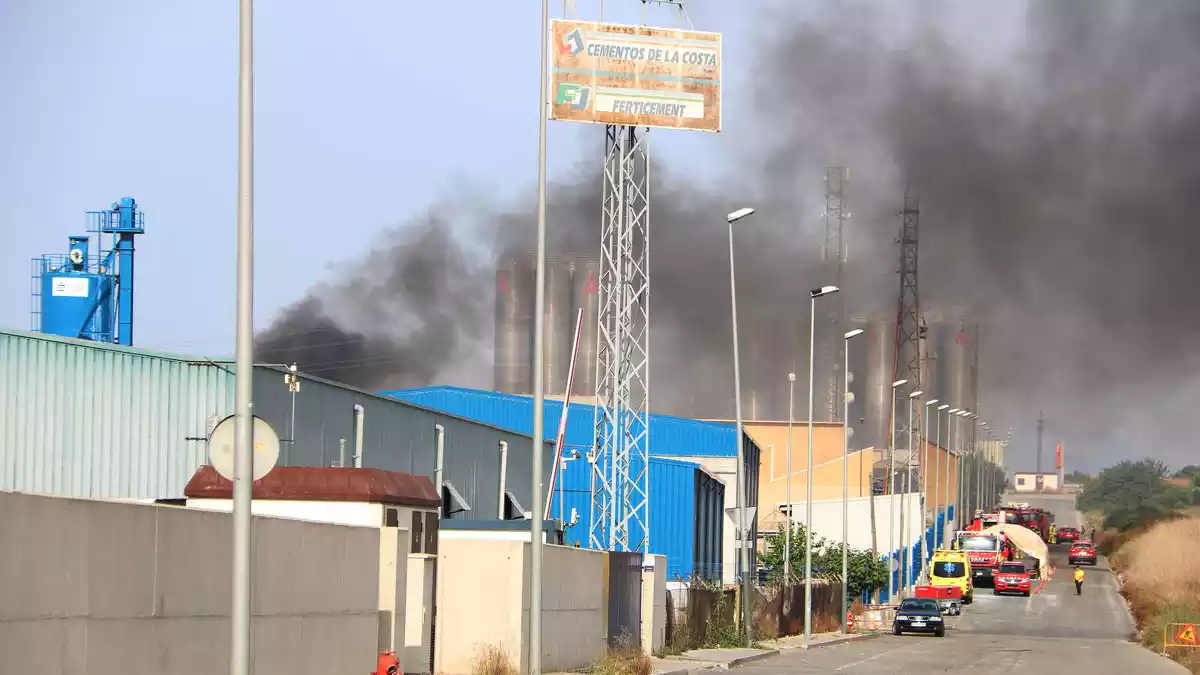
(635, 75)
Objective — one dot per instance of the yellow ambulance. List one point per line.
(953, 568)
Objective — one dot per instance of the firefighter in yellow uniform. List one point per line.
(1078, 580)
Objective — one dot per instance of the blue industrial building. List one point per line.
(690, 477)
(86, 296)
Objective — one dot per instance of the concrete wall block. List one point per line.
(122, 645)
(194, 563)
(43, 646)
(480, 586)
(120, 550)
(193, 645)
(341, 570)
(43, 558)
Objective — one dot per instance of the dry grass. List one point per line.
(623, 659)
(1162, 565)
(1160, 568)
(492, 660)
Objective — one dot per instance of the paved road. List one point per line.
(1054, 631)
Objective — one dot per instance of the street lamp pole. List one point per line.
(536, 545)
(952, 451)
(940, 535)
(808, 497)
(846, 398)
(243, 473)
(925, 484)
(742, 529)
(787, 542)
(892, 490)
(905, 507)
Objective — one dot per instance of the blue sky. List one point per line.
(365, 113)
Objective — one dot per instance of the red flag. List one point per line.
(1058, 464)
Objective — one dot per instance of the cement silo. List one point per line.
(881, 350)
(960, 375)
(558, 326)
(513, 358)
(858, 348)
(585, 295)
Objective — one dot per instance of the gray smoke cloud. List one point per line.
(1057, 186)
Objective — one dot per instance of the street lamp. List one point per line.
(964, 473)
(892, 489)
(743, 551)
(846, 398)
(787, 542)
(905, 515)
(940, 537)
(952, 451)
(808, 537)
(925, 485)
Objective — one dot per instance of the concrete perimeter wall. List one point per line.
(483, 601)
(103, 588)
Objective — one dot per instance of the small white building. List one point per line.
(1036, 482)
(388, 501)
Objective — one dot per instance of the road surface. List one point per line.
(1054, 631)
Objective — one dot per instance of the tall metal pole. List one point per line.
(905, 505)
(743, 550)
(808, 495)
(924, 484)
(846, 478)
(937, 478)
(787, 542)
(946, 486)
(952, 450)
(539, 394)
(243, 474)
(892, 489)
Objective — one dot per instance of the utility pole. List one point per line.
(907, 364)
(1041, 427)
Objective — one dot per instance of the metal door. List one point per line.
(624, 598)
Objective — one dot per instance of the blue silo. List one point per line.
(90, 297)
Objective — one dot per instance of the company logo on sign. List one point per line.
(574, 94)
(572, 43)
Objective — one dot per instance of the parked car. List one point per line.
(1067, 535)
(1013, 577)
(1082, 553)
(919, 615)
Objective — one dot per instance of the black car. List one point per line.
(919, 615)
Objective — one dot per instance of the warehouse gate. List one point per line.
(624, 598)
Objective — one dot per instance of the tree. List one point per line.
(865, 571)
(1191, 471)
(1132, 494)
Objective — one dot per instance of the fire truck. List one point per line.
(986, 551)
(1036, 519)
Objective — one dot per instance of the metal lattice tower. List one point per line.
(909, 330)
(619, 514)
(833, 310)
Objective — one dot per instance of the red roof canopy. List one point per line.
(322, 484)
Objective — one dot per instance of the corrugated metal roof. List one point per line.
(669, 436)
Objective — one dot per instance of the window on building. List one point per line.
(1020, 481)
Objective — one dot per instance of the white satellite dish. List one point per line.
(221, 444)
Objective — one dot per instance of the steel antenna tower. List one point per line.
(909, 328)
(833, 260)
(620, 506)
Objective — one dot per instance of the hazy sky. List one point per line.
(367, 111)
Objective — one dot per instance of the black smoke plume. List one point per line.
(1059, 186)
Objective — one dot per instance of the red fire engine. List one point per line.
(986, 551)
